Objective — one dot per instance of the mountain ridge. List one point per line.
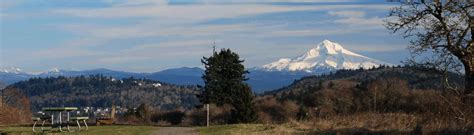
(324, 58)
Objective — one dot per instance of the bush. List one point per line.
(174, 117)
(273, 111)
(303, 114)
(218, 115)
(14, 107)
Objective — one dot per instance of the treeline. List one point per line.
(103, 91)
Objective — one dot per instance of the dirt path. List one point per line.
(176, 131)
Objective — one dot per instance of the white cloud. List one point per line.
(347, 13)
(191, 38)
(375, 47)
(119, 59)
(3, 15)
(374, 21)
(4, 4)
(157, 52)
(199, 12)
(270, 1)
(171, 20)
(356, 18)
(307, 32)
(62, 52)
(155, 29)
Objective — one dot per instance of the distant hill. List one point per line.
(102, 91)
(417, 78)
(105, 72)
(260, 80)
(10, 75)
(179, 76)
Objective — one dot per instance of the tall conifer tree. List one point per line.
(224, 84)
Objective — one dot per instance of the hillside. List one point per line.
(102, 91)
(417, 78)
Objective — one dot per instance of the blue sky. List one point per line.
(152, 35)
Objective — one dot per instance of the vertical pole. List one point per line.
(207, 118)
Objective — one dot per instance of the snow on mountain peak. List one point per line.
(326, 48)
(325, 55)
(330, 47)
(13, 70)
(55, 70)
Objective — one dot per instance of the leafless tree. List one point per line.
(10, 96)
(444, 29)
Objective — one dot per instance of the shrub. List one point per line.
(273, 111)
(174, 117)
(14, 107)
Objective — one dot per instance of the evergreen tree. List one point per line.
(224, 84)
(244, 107)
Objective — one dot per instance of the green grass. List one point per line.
(93, 130)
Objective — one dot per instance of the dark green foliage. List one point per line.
(224, 84)
(101, 91)
(244, 106)
(223, 77)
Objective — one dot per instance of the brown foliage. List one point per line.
(389, 95)
(273, 111)
(14, 108)
(435, 109)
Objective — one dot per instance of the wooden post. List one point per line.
(207, 118)
(112, 113)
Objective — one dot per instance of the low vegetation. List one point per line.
(93, 130)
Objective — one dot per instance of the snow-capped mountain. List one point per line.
(12, 70)
(13, 74)
(325, 56)
(53, 72)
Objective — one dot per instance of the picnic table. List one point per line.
(59, 120)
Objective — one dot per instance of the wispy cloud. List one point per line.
(167, 32)
(150, 29)
(356, 18)
(10, 3)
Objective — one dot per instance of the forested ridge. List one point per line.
(103, 91)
